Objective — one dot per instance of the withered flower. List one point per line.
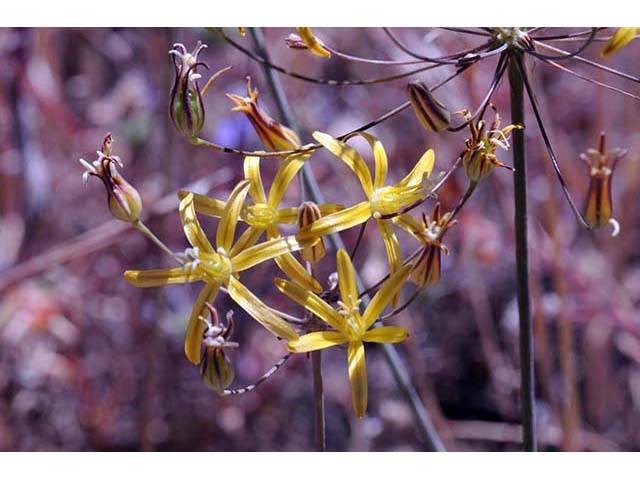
(479, 158)
(426, 268)
(216, 369)
(274, 136)
(124, 200)
(598, 209)
(433, 115)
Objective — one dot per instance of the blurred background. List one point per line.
(88, 362)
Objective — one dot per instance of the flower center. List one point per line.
(213, 267)
(261, 215)
(389, 200)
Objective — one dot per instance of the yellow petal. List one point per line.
(230, 215)
(191, 225)
(159, 277)
(311, 302)
(409, 225)
(285, 174)
(247, 240)
(422, 168)
(393, 252)
(252, 173)
(390, 334)
(336, 222)
(347, 280)
(265, 251)
(329, 208)
(349, 156)
(312, 43)
(380, 156)
(296, 272)
(621, 38)
(196, 327)
(205, 205)
(287, 215)
(383, 296)
(358, 377)
(316, 341)
(258, 310)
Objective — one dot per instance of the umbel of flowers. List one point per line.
(251, 220)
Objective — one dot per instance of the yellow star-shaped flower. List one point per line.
(382, 201)
(265, 214)
(350, 326)
(217, 267)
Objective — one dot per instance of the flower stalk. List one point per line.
(527, 379)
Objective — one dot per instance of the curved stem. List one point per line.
(527, 379)
(424, 424)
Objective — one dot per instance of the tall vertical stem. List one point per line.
(424, 425)
(318, 400)
(527, 379)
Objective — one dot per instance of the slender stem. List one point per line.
(318, 400)
(142, 228)
(527, 390)
(423, 421)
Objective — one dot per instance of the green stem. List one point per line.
(527, 377)
(422, 418)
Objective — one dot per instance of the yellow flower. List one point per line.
(265, 214)
(350, 325)
(621, 38)
(314, 45)
(381, 200)
(217, 267)
(274, 136)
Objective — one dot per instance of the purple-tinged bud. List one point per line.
(186, 107)
(433, 115)
(123, 199)
(308, 213)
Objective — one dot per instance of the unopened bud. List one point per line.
(309, 212)
(123, 199)
(294, 41)
(274, 136)
(433, 115)
(186, 107)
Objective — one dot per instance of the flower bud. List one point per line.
(433, 115)
(598, 208)
(123, 199)
(186, 107)
(309, 213)
(274, 136)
